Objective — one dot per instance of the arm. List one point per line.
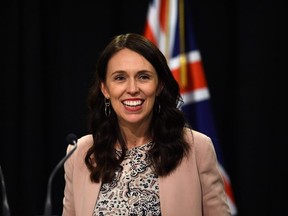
(213, 192)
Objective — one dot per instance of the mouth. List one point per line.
(132, 103)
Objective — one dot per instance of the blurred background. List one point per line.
(48, 53)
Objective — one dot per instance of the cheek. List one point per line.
(114, 91)
(151, 91)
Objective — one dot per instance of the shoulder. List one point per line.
(85, 141)
(196, 139)
(199, 143)
(83, 144)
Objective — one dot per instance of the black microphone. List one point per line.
(5, 205)
(71, 139)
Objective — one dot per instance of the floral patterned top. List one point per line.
(134, 190)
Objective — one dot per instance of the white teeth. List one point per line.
(132, 103)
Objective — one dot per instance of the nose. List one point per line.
(132, 87)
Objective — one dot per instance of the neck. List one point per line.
(135, 137)
(136, 134)
(137, 142)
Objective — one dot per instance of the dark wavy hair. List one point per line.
(167, 125)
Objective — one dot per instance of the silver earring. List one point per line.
(159, 107)
(107, 109)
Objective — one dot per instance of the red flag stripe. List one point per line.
(161, 28)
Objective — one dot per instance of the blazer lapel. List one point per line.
(90, 194)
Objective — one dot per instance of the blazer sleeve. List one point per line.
(68, 200)
(213, 192)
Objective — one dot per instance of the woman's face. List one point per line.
(131, 84)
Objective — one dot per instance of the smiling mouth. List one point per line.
(133, 103)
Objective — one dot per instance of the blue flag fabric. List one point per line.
(169, 26)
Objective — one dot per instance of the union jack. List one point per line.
(169, 26)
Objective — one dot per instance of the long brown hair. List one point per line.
(167, 122)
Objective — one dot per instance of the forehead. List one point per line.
(127, 60)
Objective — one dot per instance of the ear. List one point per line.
(104, 90)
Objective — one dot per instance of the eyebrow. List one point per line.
(138, 72)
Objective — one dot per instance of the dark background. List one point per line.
(48, 53)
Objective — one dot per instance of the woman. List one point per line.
(140, 158)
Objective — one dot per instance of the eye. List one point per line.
(144, 76)
(119, 77)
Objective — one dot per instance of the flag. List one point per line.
(169, 26)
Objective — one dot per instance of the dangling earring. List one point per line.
(159, 108)
(107, 109)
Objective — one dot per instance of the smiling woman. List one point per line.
(141, 157)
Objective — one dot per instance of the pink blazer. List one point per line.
(195, 188)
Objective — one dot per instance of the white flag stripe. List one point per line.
(232, 206)
(173, 14)
(192, 57)
(197, 95)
